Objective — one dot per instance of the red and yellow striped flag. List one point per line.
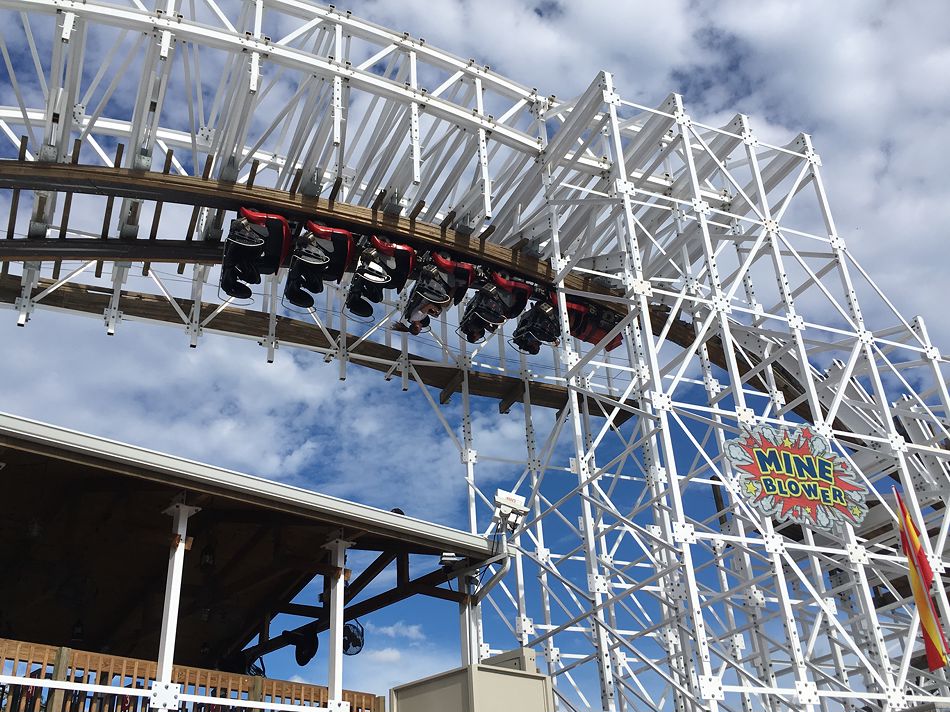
(921, 578)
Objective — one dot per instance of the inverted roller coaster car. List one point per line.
(382, 265)
(497, 300)
(591, 324)
(257, 243)
(320, 254)
(588, 322)
(539, 325)
(442, 281)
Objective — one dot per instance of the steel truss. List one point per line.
(640, 572)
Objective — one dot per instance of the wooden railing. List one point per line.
(31, 660)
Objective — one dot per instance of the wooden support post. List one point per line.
(68, 200)
(264, 634)
(295, 183)
(453, 385)
(189, 236)
(110, 202)
(15, 200)
(402, 570)
(256, 691)
(335, 190)
(67, 206)
(380, 196)
(157, 213)
(447, 222)
(486, 233)
(60, 666)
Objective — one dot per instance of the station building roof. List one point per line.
(86, 541)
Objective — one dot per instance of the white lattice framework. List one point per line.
(641, 574)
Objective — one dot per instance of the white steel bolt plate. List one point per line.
(807, 692)
(897, 443)
(684, 533)
(596, 583)
(857, 554)
(710, 688)
(796, 322)
(745, 416)
(896, 698)
(165, 696)
(755, 598)
(661, 401)
(643, 286)
(773, 544)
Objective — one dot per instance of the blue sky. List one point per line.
(866, 79)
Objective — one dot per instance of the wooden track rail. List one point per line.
(201, 252)
(201, 192)
(196, 191)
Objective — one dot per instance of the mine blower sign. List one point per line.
(793, 475)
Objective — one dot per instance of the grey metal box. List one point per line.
(476, 688)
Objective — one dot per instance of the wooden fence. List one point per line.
(31, 660)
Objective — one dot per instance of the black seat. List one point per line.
(496, 301)
(277, 242)
(257, 243)
(382, 265)
(320, 254)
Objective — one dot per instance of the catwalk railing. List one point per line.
(44, 678)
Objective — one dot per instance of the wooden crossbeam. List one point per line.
(454, 384)
(513, 396)
(292, 332)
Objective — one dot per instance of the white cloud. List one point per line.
(384, 655)
(222, 403)
(399, 629)
(380, 670)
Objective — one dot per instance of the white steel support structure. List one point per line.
(642, 573)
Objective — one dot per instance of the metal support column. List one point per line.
(468, 629)
(337, 550)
